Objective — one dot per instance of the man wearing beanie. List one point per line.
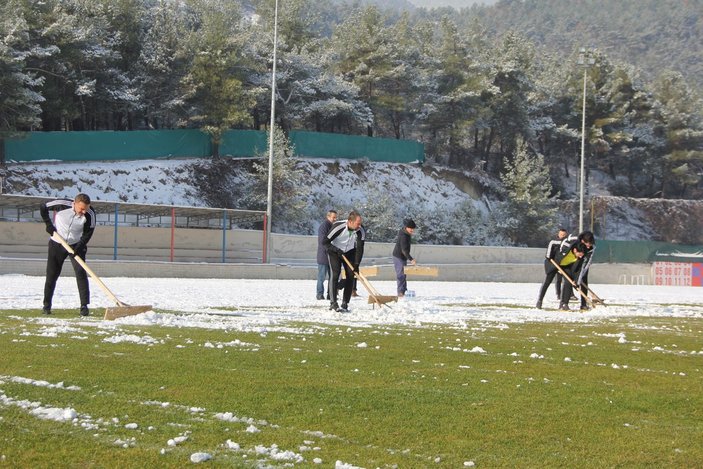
(401, 255)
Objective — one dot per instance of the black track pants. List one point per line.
(54, 264)
(550, 273)
(573, 272)
(336, 266)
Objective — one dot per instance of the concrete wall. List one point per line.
(29, 239)
(145, 252)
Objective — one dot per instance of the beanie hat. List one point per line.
(409, 223)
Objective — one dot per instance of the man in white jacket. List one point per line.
(74, 221)
(345, 238)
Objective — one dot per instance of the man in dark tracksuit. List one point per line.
(323, 263)
(556, 249)
(575, 264)
(74, 221)
(401, 255)
(345, 238)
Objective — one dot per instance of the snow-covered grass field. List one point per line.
(257, 373)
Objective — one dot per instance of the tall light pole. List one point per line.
(269, 198)
(586, 59)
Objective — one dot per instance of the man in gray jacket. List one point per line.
(74, 221)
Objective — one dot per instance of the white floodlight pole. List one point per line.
(586, 59)
(269, 198)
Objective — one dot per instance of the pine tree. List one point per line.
(216, 94)
(527, 215)
(19, 99)
(289, 209)
(682, 164)
(379, 214)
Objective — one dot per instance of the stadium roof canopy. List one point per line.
(26, 205)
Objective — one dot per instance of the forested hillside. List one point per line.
(652, 35)
(489, 89)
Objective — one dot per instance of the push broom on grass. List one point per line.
(374, 297)
(591, 301)
(114, 312)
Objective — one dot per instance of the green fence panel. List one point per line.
(244, 143)
(635, 252)
(325, 145)
(108, 145)
(144, 144)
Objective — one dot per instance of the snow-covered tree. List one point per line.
(308, 96)
(379, 212)
(289, 208)
(527, 216)
(85, 85)
(682, 162)
(368, 55)
(19, 99)
(454, 114)
(214, 91)
(161, 65)
(509, 105)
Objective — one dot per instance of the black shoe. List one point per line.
(46, 310)
(539, 305)
(564, 306)
(334, 306)
(584, 308)
(320, 297)
(84, 310)
(343, 309)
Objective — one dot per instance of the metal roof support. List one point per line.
(265, 251)
(224, 236)
(173, 231)
(114, 249)
(25, 208)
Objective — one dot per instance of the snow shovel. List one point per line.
(122, 309)
(590, 301)
(374, 297)
(423, 270)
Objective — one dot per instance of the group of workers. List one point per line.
(340, 249)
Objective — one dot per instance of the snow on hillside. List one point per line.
(144, 181)
(344, 184)
(332, 183)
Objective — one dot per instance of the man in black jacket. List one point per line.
(74, 221)
(401, 255)
(556, 249)
(323, 263)
(575, 264)
(345, 238)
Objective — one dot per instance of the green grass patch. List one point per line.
(623, 392)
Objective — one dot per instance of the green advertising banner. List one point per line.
(107, 145)
(192, 143)
(244, 143)
(634, 252)
(323, 145)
